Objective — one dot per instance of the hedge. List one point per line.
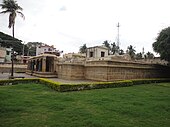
(50, 83)
(95, 85)
(148, 81)
(83, 86)
(16, 81)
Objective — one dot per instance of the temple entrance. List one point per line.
(49, 64)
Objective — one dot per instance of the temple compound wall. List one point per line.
(107, 70)
(70, 71)
(97, 65)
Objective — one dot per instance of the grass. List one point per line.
(35, 105)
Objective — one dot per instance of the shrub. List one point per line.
(84, 86)
(16, 81)
(51, 84)
(147, 81)
(97, 85)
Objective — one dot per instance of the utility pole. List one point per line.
(23, 48)
(118, 36)
(12, 60)
(143, 52)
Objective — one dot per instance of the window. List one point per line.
(7, 52)
(102, 54)
(91, 54)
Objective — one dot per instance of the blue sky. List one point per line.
(68, 24)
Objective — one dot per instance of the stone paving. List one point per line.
(6, 76)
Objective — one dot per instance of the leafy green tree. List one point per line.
(8, 41)
(30, 48)
(162, 44)
(131, 51)
(83, 49)
(113, 48)
(138, 56)
(11, 7)
(149, 55)
(107, 44)
(121, 52)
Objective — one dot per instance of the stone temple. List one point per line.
(96, 65)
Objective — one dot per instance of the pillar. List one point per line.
(44, 64)
(54, 66)
(39, 64)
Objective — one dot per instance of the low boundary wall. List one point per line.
(6, 68)
(106, 70)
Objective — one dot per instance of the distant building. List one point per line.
(8, 55)
(97, 52)
(46, 49)
(2, 54)
(22, 59)
(74, 55)
(5, 55)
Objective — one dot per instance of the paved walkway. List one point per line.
(6, 76)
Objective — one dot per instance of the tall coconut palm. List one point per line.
(131, 51)
(11, 7)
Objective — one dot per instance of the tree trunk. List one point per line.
(13, 30)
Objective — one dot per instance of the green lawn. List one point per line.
(35, 105)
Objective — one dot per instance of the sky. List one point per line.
(68, 24)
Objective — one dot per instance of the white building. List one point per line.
(74, 55)
(46, 49)
(97, 52)
(8, 55)
(5, 55)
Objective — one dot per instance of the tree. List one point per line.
(8, 41)
(30, 48)
(107, 44)
(121, 52)
(162, 44)
(113, 48)
(149, 55)
(11, 7)
(131, 51)
(138, 56)
(83, 49)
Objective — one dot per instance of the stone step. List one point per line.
(45, 76)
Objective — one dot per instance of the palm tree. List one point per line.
(121, 52)
(11, 7)
(138, 56)
(131, 51)
(149, 55)
(107, 44)
(114, 48)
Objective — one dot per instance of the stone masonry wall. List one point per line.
(111, 70)
(70, 71)
(6, 68)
